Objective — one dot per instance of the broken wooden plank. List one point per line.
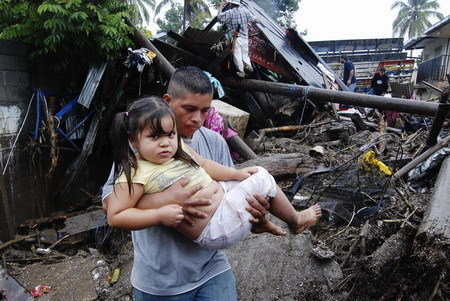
(323, 95)
(419, 159)
(82, 223)
(432, 87)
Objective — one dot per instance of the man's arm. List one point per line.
(175, 194)
(350, 76)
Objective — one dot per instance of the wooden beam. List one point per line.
(323, 95)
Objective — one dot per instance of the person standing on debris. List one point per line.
(167, 264)
(349, 73)
(161, 159)
(379, 83)
(236, 18)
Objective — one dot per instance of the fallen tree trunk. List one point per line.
(283, 165)
(436, 220)
(323, 95)
(390, 253)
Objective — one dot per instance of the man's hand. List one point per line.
(186, 201)
(177, 194)
(258, 208)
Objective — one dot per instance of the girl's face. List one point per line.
(157, 148)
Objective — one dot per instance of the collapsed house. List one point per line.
(373, 220)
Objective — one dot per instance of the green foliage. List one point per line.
(172, 20)
(76, 32)
(195, 13)
(282, 11)
(140, 10)
(413, 17)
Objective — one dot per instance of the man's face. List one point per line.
(382, 72)
(342, 60)
(191, 111)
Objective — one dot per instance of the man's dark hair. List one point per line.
(343, 56)
(383, 69)
(189, 79)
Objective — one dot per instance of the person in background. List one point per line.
(349, 73)
(167, 265)
(379, 83)
(236, 18)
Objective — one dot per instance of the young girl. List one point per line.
(162, 158)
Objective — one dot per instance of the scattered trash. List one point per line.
(40, 290)
(369, 161)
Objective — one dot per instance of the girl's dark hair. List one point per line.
(144, 113)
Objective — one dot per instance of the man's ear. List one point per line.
(167, 98)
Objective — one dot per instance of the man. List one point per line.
(349, 73)
(166, 264)
(380, 83)
(236, 19)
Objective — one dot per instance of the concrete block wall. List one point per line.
(21, 189)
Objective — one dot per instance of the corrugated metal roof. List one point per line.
(203, 37)
(297, 53)
(91, 84)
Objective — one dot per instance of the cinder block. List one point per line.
(8, 62)
(237, 118)
(11, 78)
(3, 94)
(13, 48)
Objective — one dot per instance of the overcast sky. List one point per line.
(349, 19)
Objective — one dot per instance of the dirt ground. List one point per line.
(364, 248)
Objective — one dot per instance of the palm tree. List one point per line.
(194, 13)
(412, 18)
(142, 8)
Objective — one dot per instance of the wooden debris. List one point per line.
(390, 253)
(83, 222)
(323, 95)
(408, 167)
(238, 145)
(16, 240)
(436, 220)
(283, 165)
(361, 236)
(32, 223)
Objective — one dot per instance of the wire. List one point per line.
(106, 235)
(305, 99)
(18, 134)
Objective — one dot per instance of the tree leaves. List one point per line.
(68, 26)
(413, 17)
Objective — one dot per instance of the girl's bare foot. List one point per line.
(306, 218)
(265, 225)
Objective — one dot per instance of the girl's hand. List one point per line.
(170, 215)
(246, 172)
